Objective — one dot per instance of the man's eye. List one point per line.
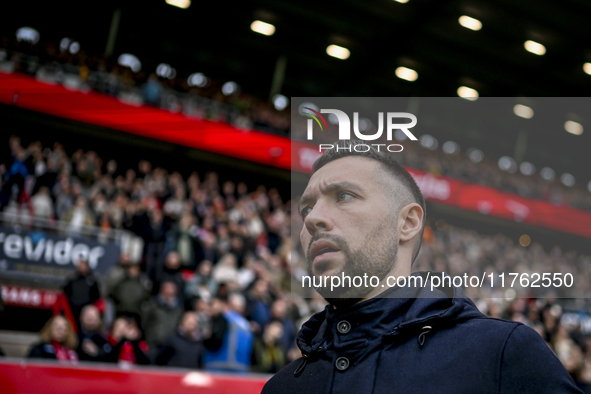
(344, 196)
(305, 211)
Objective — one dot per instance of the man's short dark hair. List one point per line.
(346, 148)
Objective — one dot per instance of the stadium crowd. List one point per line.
(213, 289)
(49, 62)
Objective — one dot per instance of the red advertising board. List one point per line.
(52, 378)
(29, 297)
(489, 201)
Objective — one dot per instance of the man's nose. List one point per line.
(318, 219)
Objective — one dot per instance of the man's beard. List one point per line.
(370, 261)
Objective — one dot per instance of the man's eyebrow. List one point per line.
(331, 187)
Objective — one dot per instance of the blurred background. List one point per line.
(145, 162)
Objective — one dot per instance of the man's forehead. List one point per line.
(360, 171)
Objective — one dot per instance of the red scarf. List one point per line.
(126, 353)
(63, 353)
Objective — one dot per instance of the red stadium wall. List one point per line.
(46, 378)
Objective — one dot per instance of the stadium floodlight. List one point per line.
(506, 163)
(573, 127)
(527, 168)
(65, 44)
(179, 3)
(338, 52)
(400, 135)
(261, 27)
(451, 148)
(408, 74)
(475, 155)
(470, 23)
(165, 71)
(303, 108)
(280, 102)
(534, 47)
(428, 142)
(523, 111)
(547, 174)
(131, 61)
(567, 179)
(468, 93)
(229, 88)
(587, 68)
(74, 47)
(401, 1)
(333, 119)
(27, 34)
(197, 79)
(364, 124)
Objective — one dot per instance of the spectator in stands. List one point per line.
(131, 292)
(63, 194)
(16, 174)
(202, 284)
(78, 216)
(127, 348)
(152, 90)
(202, 311)
(184, 349)
(229, 348)
(170, 272)
(258, 305)
(155, 241)
(279, 314)
(82, 289)
(161, 316)
(58, 341)
(174, 206)
(226, 272)
(268, 355)
(183, 237)
(207, 250)
(42, 204)
(115, 274)
(92, 345)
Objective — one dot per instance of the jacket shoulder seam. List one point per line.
(503, 353)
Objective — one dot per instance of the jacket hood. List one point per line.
(399, 310)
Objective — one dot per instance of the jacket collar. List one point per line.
(396, 310)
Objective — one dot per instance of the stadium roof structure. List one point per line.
(215, 38)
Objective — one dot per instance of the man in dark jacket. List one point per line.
(131, 292)
(184, 349)
(161, 316)
(82, 289)
(92, 345)
(363, 214)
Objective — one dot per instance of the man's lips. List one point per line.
(324, 256)
(322, 250)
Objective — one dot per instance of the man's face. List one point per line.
(349, 223)
(90, 318)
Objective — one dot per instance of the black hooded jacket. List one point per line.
(419, 340)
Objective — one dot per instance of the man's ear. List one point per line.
(411, 219)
